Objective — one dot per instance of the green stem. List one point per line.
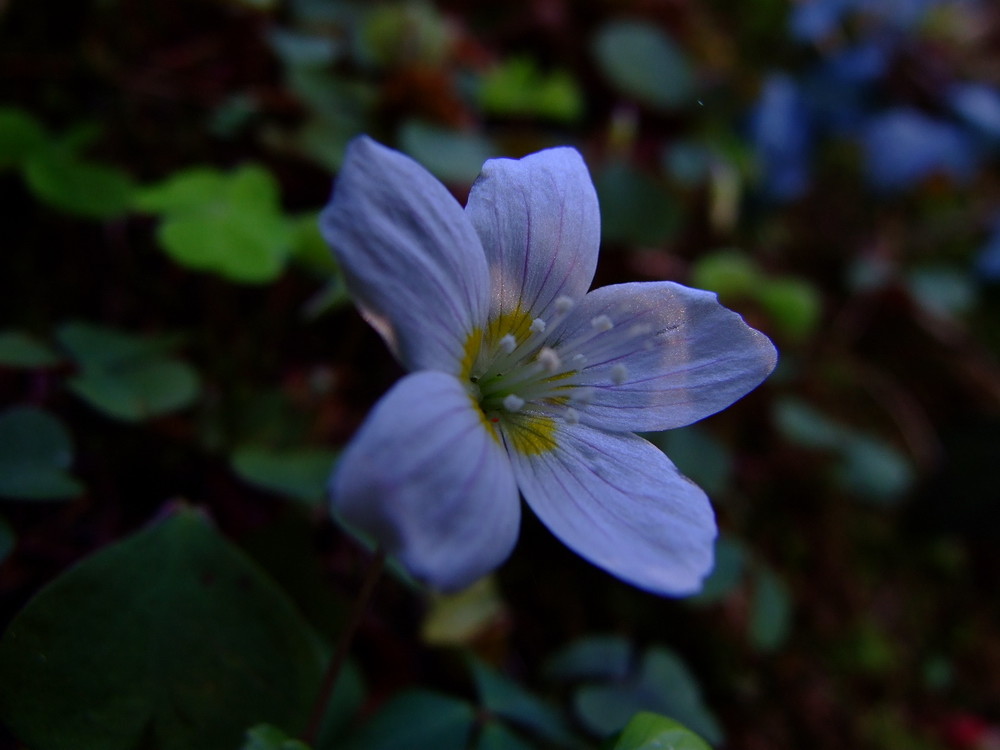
(343, 647)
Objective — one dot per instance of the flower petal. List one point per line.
(618, 501)
(411, 258)
(429, 481)
(673, 355)
(540, 226)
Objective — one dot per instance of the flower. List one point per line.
(520, 379)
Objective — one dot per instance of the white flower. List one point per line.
(521, 379)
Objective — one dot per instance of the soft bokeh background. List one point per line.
(173, 329)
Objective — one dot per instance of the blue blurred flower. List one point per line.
(903, 146)
(520, 378)
(978, 105)
(781, 131)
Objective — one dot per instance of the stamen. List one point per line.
(571, 415)
(512, 402)
(538, 325)
(619, 374)
(508, 343)
(582, 395)
(639, 329)
(602, 323)
(549, 359)
(563, 304)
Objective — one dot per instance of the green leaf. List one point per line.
(309, 248)
(20, 349)
(170, 638)
(452, 155)
(8, 540)
(644, 63)
(874, 470)
(21, 135)
(225, 223)
(35, 451)
(299, 473)
(663, 684)
(504, 697)
(729, 273)
(600, 656)
(770, 612)
(516, 87)
(793, 304)
(266, 737)
(415, 720)
(125, 376)
(804, 425)
(649, 731)
(942, 290)
(495, 736)
(77, 186)
(635, 207)
(698, 455)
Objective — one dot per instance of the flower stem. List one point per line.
(343, 647)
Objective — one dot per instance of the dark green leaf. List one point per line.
(35, 451)
(600, 656)
(20, 349)
(417, 720)
(21, 135)
(170, 638)
(642, 62)
(452, 155)
(635, 207)
(516, 87)
(726, 575)
(77, 186)
(770, 612)
(504, 697)
(495, 736)
(140, 391)
(648, 731)
(300, 473)
(100, 347)
(266, 737)
(698, 455)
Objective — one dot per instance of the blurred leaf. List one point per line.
(8, 540)
(729, 273)
(21, 135)
(687, 163)
(300, 473)
(794, 306)
(599, 656)
(227, 223)
(139, 391)
(649, 731)
(169, 634)
(770, 612)
(698, 455)
(417, 719)
(495, 736)
(516, 87)
(641, 61)
(20, 349)
(101, 347)
(76, 186)
(309, 248)
(635, 208)
(942, 290)
(663, 684)
(730, 562)
(451, 155)
(266, 737)
(35, 451)
(457, 619)
(874, 469)
(298, 49)
(803, 425)
(504, 697)
(404, 34)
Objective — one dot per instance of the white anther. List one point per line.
(578, 359)
(602, 323)
(571, 415)
(508, 343)
(619, 374)
(512, 402)
(563, 304)
(582, 395)
(538, 325)
(639, 329)
(549, 359)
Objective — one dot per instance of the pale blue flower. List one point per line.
(521, 380)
